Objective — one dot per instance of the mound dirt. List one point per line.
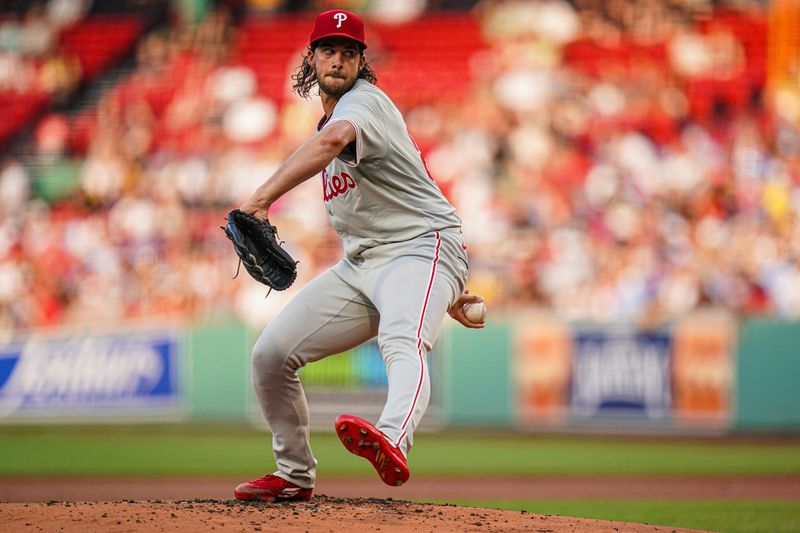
(322, 514)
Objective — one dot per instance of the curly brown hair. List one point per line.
(305, 78)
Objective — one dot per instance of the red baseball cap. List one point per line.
(338, 22)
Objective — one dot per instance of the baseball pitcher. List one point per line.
(405, 267)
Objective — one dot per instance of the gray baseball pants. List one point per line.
(400, 292)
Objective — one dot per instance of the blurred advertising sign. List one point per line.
(681, 376)
(621, 373)
(543, 368)
(114, 374)
(702, 370)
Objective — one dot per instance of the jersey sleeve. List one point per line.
(364, 112)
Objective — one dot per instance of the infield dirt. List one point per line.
(322, 514)
(153, 504)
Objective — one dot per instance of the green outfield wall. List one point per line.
(704, 374)
(477, 378)
(219, 372)
(768, 376)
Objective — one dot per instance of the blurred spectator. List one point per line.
(104, 174)
(9, 35)
(16, 75)
(52, 134)
(65, 13)
(59, 74)
(37, 35)
(14, 187)
(391, 11)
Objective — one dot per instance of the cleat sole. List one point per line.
(361, 438)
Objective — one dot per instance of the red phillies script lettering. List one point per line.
(331, 188)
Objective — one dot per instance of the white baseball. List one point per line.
(475, 312)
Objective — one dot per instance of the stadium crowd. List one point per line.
(612, 161)
(31, 58)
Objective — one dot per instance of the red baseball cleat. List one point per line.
(271, 488)
(363, 439)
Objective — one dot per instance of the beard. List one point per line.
(335, 87)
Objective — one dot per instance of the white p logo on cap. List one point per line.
(340, 17)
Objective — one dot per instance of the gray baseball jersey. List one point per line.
(405, 264)
(379, 190)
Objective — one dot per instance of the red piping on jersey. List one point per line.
(419, 340)
(323, 121)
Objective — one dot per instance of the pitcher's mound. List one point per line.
(322, 514)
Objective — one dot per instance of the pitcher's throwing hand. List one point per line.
(459, 310)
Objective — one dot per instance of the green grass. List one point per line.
(208, 451)
(583, 455)
(734, 516)
(242, 451)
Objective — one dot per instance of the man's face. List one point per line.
(336, 60)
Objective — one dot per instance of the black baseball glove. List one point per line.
(257, 246)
